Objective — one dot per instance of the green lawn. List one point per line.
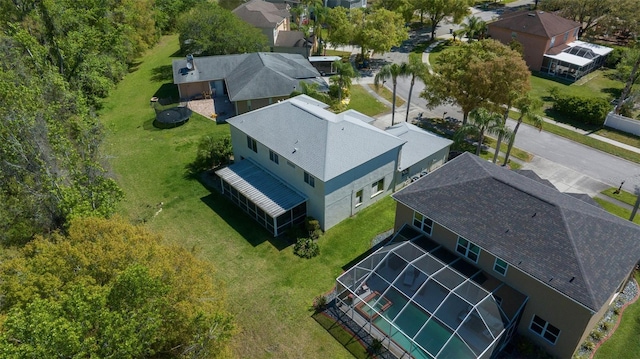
(269, 289)
(617, 210)
(624, 196)
(362, 101)
(624, 343)
(386, 94)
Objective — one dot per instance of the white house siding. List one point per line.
(341, 191)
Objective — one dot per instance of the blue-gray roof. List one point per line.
(576, 248)
(322, 143)
(420, 143)
(251, 76)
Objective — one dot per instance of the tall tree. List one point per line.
(391, 71)
(438, 10)
(628, 69)
(109, 289)
(209, 29)
(377, 30)
(527, 106)
(416, 69)
(478, 74)
(608, 15)
(342, 79)
(482, 122)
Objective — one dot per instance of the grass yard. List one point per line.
(269, 289)
(624, 196)
(624, 343)
(386, 94)
(362, 101)
(331, 52)
(617, 210)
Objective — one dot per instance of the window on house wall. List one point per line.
(377, 188)
(566, 36)
(553, 41)
(575, 34)
(422, 222)
(468, 249)
(252, 144)
(308, 179)
(544, 329)
(359, 198)
(500, 266)
(274, 157)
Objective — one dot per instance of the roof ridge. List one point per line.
(578, 258)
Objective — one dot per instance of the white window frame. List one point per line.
(465, 250)
(274, 157)
(421, 225)
(544, 329)
(377, 187)
(552, 42)
(359, 197)
(497, 265)
(309, 179)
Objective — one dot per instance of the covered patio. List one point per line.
(576, 60)
(424, 301)
(268, 200)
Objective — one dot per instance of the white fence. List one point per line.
(622, 123)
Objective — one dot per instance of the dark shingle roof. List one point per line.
(572, 246)
(251, 76)
(539, 23)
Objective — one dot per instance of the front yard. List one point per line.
(269, 289)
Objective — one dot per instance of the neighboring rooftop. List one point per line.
(420, 143)
(320, 142)
(262, 14)
(250, 76)
(539, 23)
(572, 246)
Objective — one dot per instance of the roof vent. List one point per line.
(531, 14)
(294, 150)
(190, 64)
(534, 214)
(572, 279)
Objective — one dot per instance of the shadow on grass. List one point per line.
(349, 340)
(558, 117)
(162, 73)
(133, 67)
(167, 94)
(246, 226)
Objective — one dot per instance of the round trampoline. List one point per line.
(172, 117)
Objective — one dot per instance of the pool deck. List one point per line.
(218, 109)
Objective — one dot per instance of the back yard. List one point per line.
(269, 289)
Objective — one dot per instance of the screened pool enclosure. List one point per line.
(424, 301)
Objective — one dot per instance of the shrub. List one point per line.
(616, 311)
(596, 335)
(212, 152)
(320, 303)
(376, 346)
(588, 345)
(312, 226)
(589, 110)
(605, 326)
(306, 248)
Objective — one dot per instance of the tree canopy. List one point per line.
(482, 73)
(208, 29)
(377, 30)
(438, 10)
(110, 289)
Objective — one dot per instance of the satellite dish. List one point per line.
(190, 66)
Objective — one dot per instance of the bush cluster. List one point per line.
(589, 110)
(306, 248)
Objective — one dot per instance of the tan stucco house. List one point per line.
(250, 81)
(295, 158)
(550, 43)
(482, 252)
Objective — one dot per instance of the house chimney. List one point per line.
(190, 64)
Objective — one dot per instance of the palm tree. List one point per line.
(391, 71)
(474, 26)
(312, 90)
(320, 14)
(415, 68)
(481, 122)
(527, 107)
(344, 74)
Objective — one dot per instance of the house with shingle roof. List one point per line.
(333, 165)
(550, 43)
(568, 256)
(273, 19)
(250, 81)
